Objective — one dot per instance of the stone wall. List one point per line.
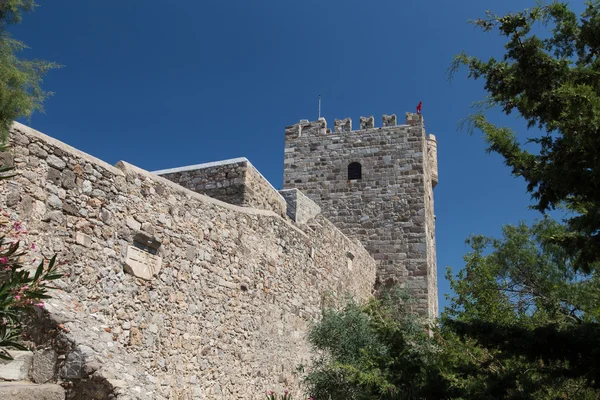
(225, 315)
(234, 181)
(390, 209)
(431, 175)
(300, 208)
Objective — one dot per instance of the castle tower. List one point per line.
(376, 185)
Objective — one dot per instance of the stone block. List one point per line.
(54, 176)
(37, 151)
(56, 162)
(68, 179)
(13, 198)
(141, 263)
(44, 363)
(73, 366)
(30, 391)
(16, 369)
(55, 202)
(83, 239)
(87, 186)
(133, 224)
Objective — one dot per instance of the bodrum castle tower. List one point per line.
(375, 185)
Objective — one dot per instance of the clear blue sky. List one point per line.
(162, 83)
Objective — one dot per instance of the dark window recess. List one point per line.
(354, 171)
(146, 243)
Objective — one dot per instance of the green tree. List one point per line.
(526, 305)
(20, 80)
(551, 78)
(524, 320)
(377, 351)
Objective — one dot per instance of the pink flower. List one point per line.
(286, 391)
(17, 226)
(3, 260)
(269, 392)
(17, 297)
(39, 304)
(32, 246)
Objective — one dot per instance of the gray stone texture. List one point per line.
(237, 183)
(225, 321)
(30, 391)
(18, 368)
(390, 210)
(43, 368)
(300, 208)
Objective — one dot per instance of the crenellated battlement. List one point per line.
(319, 127)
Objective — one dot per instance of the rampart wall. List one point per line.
(231, 294)
(234, 181)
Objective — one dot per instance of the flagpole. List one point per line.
(319, 106)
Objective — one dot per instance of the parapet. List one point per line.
(414, 119)
(233, 181)
(319, 127)
(300, 208)
(342, 125)
(367, 122)
(389, 120)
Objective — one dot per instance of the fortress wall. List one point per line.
(234, 181)
(226, 315)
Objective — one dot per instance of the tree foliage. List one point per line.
(376, 351)
(527, 319)
(552, 80)
(20, 80)
(529, 302)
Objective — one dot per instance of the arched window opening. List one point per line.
(354, 171)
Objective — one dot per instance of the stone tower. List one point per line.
(376, 185)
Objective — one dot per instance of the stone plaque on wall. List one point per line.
(141, 263)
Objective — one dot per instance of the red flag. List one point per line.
(419, 107)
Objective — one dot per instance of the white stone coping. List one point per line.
(202, 166)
